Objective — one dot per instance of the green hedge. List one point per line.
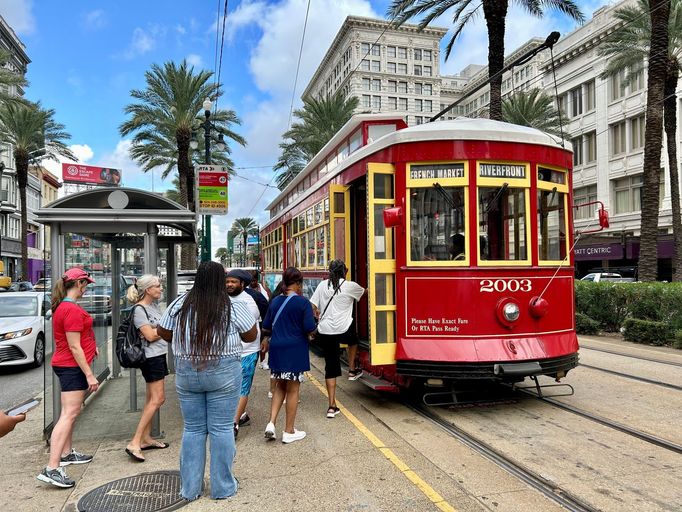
(612, 304)
(585, 325)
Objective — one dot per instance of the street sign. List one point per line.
(252, 240)
(211, 189)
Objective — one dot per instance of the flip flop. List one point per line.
(161, 446)
(134, 456)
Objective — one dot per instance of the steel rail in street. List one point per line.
(633, 377)
(650, 359)
(547, 488)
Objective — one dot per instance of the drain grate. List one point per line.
(147, 492)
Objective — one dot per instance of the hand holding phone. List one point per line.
(23, 408)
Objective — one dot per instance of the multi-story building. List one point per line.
(39, 246)
(10, 214)
(388, 69)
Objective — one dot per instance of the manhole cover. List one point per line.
(147, 492)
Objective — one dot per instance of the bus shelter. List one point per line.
(115, 234)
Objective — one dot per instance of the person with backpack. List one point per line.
(333, 301)
(144, 296)
(75, 347)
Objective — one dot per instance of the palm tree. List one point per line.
(244, 226)
(317, 122)
(163, 119)
(532, 108)
(222, 255)
(9, 78)
(174, 193)
(495, 13)
(628, 49)
(35, 136)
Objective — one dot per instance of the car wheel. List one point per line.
(39, 351)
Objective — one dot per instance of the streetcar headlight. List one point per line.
(511, 312)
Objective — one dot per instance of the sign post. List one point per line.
(211, 199)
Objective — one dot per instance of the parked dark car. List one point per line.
(21, 286)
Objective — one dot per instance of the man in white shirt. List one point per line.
(333, 303)
(235, 285)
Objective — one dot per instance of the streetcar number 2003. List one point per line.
(505, 285)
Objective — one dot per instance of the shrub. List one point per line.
(585, 325)
(677, 342)
(647, 331)
(606, 303)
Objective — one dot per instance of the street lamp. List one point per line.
(2, 171)
(207, 125)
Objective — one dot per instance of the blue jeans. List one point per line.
(208, 399)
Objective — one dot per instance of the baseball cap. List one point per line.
(74, 274)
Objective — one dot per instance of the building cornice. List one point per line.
(16, 46)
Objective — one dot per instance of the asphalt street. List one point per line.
(19, 383)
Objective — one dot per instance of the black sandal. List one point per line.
(134, 456)
(332, 412)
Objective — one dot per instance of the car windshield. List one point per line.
(18, 306)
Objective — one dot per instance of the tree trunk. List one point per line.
(495, 12)
(658, 52)
(670, 124)
(188, 252)
(245, 235)
(21, 160)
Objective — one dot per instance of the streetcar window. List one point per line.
(551, 225)
(355, 141)
(437, 221)
(375, 131)
(320, 249)
(502, 223)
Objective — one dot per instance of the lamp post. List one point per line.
(2, 171)
(207, 125)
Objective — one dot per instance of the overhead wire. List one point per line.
(220, 60)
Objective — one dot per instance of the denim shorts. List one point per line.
(71, 378)
(154, 368)
(249, 363)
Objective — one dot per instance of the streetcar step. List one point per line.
(378, 384)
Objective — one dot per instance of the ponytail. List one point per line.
(337, 271)
(59, 292)
(133, 295)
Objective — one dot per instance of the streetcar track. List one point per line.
(542, 485)
(649, 438)
(643, 358)
(633, 377)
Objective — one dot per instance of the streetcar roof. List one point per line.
(460, 128)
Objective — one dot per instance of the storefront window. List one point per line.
(502, 223)
(437, 223)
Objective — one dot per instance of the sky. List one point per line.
(87, 55)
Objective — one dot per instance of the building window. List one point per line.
(616, 87)
(418, 88)
(390, 52)
(392, 103)
(428, 105)
(376, 50)
(392, 86)
(590, 140)
(628, 194)
(637, 81)
(376, 102)
(427, 70)
(418, 71)
(576, 101)
(376, 65)
(402, 52)
(402, 69)
(366, 84)
(376, 85)
(402, 104)
(418, 105)
(584, 195)
(426, 55)
(561, 103)
(589, 96)
(418, 119)
(428, 89)
(637, 133)
(617, 135)
(366, 100)
(577, 144)
(417, 54)
(402, 87)
(390, 67)
(364, 65)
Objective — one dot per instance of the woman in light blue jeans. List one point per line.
(206, 331)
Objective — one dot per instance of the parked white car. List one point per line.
(25, 324)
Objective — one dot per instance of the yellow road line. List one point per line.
(425, 488)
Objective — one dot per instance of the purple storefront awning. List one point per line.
(613, 251)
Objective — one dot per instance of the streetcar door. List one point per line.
(381, 265)
(339, 233)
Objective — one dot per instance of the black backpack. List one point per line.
(130, 343)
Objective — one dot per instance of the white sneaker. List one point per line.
(270, 431)
(270, 395)
(290, 438)
(264, 366)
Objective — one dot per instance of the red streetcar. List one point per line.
(460, 229)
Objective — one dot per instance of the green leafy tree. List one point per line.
(627, 49)
(222, 255)
(532, 108)
(495, 13)
(316, 123)
(35, 136)
(244, 226)
(163, 118)
(174, 193)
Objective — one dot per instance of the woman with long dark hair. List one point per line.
(75, 348)
(290, 319)
(206, 329)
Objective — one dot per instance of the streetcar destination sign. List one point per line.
(436, 171)
(502, 171)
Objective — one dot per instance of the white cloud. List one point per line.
(19, 15)
(82, 151)
(194, 60)
(131, 174)
(246, 14)
(142, 41)
(94, 20)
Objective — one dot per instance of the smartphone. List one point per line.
(23, 408)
